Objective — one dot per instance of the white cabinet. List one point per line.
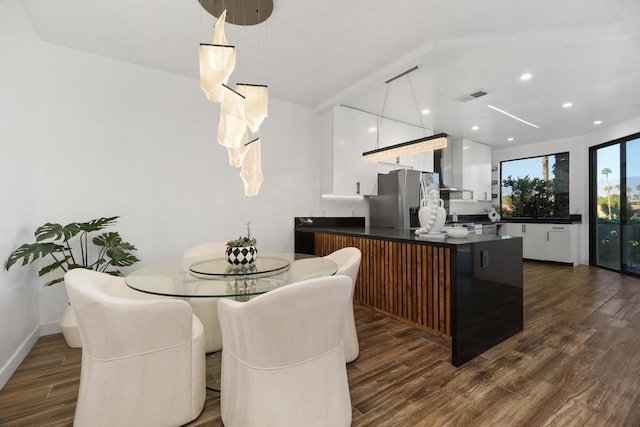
(476, 172)
(547, 242)
(533, 238)
(559, 243)
(355, 132)
(534, 241)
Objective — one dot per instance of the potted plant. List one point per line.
(69, 247)
(242, 251)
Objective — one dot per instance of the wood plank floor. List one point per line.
(577, 363)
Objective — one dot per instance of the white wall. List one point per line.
(120, 139)
(19, 90)
(578, 148)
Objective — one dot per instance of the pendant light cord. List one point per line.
(415, 103)
(379, 124)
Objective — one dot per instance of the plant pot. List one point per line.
(241, 255)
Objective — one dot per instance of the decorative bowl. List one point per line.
(458, 232)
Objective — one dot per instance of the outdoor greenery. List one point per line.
(57, 241)
(538, 197)
(530, 197)
(609, 226)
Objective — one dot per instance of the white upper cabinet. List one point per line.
(476, 169)
(355, 132)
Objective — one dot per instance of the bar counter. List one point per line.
(467, 291)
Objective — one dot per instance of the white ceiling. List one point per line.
(324, 53)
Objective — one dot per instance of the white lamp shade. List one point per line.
(236, 154)
(251, 172)
(232, 121)
(218, 29)
(216, 65)
(257, 104)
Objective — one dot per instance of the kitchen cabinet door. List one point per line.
(558, 245)
(534, 238)
(353, 133)
(511, 229)
(476, 175)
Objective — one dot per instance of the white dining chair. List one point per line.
(348, 260)
(283, 359)
(206, 308)
(143, 360)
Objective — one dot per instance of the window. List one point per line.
(535, 187)
(614, 229)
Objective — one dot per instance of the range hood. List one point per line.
(448, 163)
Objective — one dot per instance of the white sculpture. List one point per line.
(431, 214)
(493, 215)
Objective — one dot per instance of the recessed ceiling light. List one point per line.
(526, 76)
(475, 128)
(567, 105)
(372, 129)
(510, 139)
(425, 111)
(597, 122)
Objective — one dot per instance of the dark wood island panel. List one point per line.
(468, 291)
(410, 282)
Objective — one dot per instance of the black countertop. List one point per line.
(404, 235)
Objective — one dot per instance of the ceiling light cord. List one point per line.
(415, 103)
(379, 120)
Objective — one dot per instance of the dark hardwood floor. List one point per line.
(577, 363)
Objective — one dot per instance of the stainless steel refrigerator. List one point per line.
(398, 199)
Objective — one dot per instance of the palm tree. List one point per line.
(545, 168)
(606, 172)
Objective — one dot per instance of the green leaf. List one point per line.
(97, 224)
(121, 258)
(109, 239)
(30, 252)
(114, 273)
(56, 231)
(53, 282)
(113, 250)
(54, 266)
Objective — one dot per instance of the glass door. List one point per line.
(607, 207)
(615, 205)
(631, 217)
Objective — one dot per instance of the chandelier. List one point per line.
(243, 108)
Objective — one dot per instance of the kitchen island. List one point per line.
(468, 291)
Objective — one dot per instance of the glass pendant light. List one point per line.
(256, 102)
(251, 172)
(232, 119)
(235, 154)
(217, 62)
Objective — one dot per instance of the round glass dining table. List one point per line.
(207, 277)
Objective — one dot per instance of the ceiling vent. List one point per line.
(471, 96)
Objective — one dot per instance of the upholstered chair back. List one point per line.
(348, 260)
(283, 352)
(142, 359)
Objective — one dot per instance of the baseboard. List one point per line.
(50, 329)
(18, 356)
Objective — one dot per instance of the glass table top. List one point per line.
(207, 278)
(219, 268)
